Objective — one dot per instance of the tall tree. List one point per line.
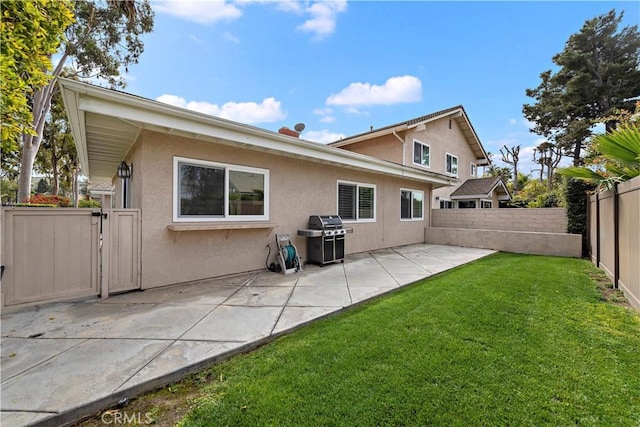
(57, 156)
(511, 156)
(599, 71)
(30, 32)
(105, 37)
(548, 156)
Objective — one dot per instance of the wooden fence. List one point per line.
(614, 236)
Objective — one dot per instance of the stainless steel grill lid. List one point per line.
(323, 222)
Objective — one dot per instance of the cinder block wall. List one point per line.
(545, 220)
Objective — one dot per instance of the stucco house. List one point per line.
(443, 142)
(212, 193)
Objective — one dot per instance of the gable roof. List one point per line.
(478, 188)
(106, 124)
(456, 113)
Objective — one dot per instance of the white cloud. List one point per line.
(201, 12)
(231, 38)
(396, 90)
(196, 39)
(290, 6)
(513, 121)
(269, 110)
(322, 136)
(326, 114)
(320, 15)
(323, 17)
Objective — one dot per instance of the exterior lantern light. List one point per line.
(124, 170)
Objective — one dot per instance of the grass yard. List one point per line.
(508, 340)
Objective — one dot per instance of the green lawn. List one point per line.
(508, 340)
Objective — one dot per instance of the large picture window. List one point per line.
(207, 191)
(411, 204)
(421, 153)
(451, 163)
(356, 202)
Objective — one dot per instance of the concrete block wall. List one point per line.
(543, 220)
(524, 242)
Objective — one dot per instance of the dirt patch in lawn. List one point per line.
(162, 407)
(607, 292)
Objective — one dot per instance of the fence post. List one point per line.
(616, 236)
(598, 229)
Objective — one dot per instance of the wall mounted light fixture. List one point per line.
(124, 170)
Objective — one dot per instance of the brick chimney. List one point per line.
(289, 132)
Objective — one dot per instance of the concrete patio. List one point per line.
(63, 361)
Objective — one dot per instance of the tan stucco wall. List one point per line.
(387, 147)
(568, 245)
(545, 220)
(298, 188)
(441, 140)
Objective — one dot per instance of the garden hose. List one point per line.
(289, 253)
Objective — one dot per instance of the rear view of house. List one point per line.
(212, 193)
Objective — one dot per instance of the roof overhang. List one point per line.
(457, 114)
(106, 124)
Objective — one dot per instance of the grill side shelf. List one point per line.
(318, 233)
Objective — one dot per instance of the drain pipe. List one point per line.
(403, 146)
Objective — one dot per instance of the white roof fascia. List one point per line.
(76, 119)
(369, 135)
(454, 113)
(129, 107)
(471, 196)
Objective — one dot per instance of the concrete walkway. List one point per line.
(63, 361)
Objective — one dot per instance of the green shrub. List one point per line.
(89, 204)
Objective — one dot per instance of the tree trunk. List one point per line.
(30, 144)
(577, 160)
(54, 167)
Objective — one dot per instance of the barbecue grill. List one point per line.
(326, 235)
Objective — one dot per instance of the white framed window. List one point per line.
(451, 164)
(208, 191)
(447, 204)
(421, 153)
(356, 201)
(411, 204)
(486, 204)
(474, 170)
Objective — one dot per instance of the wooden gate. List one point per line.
(63, 254)
(121, 251)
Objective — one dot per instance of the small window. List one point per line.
(486, 204)
(447, 204)
(411, 204)
(474, 170)
(356, 202)
(421, 153)
(452, 164)
(467, 204)
(207, 191)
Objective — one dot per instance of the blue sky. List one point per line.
(341, 67)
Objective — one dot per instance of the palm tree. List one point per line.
(620, 152)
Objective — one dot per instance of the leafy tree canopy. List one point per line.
(104, 39)
(599, 70)
(30, 32)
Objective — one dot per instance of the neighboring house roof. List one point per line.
(106, 123)
(457, 113)
(480, 188)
